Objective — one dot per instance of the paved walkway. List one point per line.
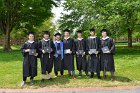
(119, 89)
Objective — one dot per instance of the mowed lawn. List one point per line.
(127, 63)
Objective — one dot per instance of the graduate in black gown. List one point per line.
(69, 52)
(93, 48)
(30, 52)
(58, 63)
(47, 51)
(80, 48)
(108, 51)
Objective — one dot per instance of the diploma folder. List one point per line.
(93, 51)
(80, 52)
(58, 52)
(32, 52)
(47, 49)
(67, 51)
(105, 49)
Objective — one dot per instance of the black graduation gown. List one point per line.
(107, 60)
(46, 58)
(58, 63)
(29, 61)
(80, 60)
(69, 58)
(94, 63)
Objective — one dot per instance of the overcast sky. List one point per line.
(57, 12)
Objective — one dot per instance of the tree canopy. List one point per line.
(119, 16)
(17, 14)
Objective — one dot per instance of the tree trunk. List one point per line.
(7, 46)
(129, 38)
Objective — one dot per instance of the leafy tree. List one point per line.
(22, 14)
(119, 16)
(46, 25)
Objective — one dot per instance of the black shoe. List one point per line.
(86, 73)
(42, 80)
(79, 75)
(50, 79)
(113, 78)
(99, 77)
(69, 74)
(104, 76)
(91, 76)
(61, 74)
(31, 82)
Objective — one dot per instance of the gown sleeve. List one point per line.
(53, 47)
(113, 49)
(87, 45)
(99, 45)
(73, 46)
(36, 46)
(40, 47)
(23, 49)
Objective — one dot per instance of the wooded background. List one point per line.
(18, 17)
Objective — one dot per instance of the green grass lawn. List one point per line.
(127, 62)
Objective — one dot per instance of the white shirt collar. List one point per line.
(30, 41)
(66, 38)
(92, 36)
(46, 39)
(105, 38)
(79, 38)
(57, 41)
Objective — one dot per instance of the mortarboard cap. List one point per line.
(79, 31)
(67, 30)
(46, 32)
(57, 34)
(92, 30)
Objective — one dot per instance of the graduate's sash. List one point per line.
(91, 50)
(46, 47)
(59, 51)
